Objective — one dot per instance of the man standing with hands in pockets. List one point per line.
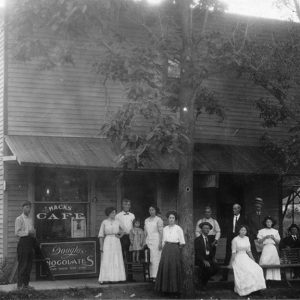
(25, 231)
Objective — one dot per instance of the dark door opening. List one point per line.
(141, 190)
(231, 191)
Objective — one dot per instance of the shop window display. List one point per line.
(61, 203)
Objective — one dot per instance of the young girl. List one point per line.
(136, 236)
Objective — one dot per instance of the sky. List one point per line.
(259, 8)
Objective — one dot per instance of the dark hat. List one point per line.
(293, 226)
(205, 223)
(259, 200)
(26, 203)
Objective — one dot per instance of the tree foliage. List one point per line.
(273, 65)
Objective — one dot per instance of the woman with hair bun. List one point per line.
(269, 238)
(169, 272)
(112, 265)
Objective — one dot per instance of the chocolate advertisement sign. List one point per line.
(76, 258)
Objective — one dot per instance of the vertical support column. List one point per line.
(31, 189)
(159, 191)
(120, 192)
(93, 203)
(280, 215)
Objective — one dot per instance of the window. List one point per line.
(61, 203)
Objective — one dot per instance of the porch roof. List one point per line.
(99, 153)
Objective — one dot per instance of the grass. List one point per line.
(215, 291)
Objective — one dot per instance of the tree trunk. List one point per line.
(185, 201)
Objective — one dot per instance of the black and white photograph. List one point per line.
(149, 149)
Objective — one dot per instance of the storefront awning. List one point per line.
(99, 153)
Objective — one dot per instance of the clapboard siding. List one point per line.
(72, 101)
(17, 192)
(106, 194)
(2, 251)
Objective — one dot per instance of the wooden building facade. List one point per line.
(53, 156)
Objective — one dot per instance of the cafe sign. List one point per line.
(71, 258)
(58, 212)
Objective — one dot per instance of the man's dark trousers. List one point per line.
(25, 258)
(125, 243)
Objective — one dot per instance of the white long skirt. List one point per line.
(269, 256)
(112, 264)
(248, 275)
(155, 254)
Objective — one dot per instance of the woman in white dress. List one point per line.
(112, 265)
(153, 232)
(269, 238)
(248, 275)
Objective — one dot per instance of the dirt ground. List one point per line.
(215, 291)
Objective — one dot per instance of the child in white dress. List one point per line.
(137, 240)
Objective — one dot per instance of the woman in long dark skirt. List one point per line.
(168, 279)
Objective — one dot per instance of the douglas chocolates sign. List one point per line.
(70, 258)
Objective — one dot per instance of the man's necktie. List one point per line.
(235, 221)
(206, 245)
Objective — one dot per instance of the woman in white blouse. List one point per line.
(168, 278)
(269, 238)
(153, 232)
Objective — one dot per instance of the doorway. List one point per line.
(140, 188)
(231, 191)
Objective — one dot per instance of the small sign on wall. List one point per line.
(209, 181)
(78, 228)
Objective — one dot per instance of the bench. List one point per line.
(289, 259)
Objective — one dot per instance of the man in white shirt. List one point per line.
(125, 217)
(214, 233)
(25, 231)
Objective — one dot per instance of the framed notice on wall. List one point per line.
(74, 258)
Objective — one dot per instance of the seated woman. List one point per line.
(169, 272)
(270, 238)
(248, 275)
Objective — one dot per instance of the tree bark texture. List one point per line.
(185, 201)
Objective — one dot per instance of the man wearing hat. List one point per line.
(292, 241)
(215, 232)
(204, 255)
(255, 218)
(25, 231)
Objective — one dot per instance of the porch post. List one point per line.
(93, 203)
